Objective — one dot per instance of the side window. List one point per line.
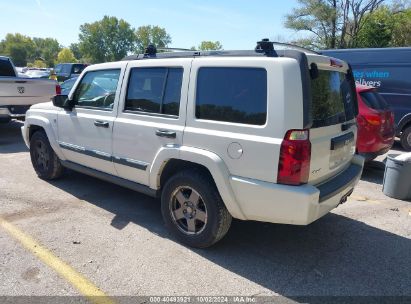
(65, 68)
(58, 68)
(237, 95)
(77, 68)
(154, 90)
(97, 89)
(6, 69)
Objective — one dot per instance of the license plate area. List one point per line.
(342, 149)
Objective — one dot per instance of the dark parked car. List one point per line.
(388, 70)
(67, 85)
(66, 71)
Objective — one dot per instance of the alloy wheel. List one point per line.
(188, 210)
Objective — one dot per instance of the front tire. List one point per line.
(193, 209)
(406, 139)
(45, 161)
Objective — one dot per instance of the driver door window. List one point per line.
(97, 90)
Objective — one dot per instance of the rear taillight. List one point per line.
(295, 156)
(58, 89)
(373, 119)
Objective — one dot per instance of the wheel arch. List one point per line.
(36, 123)
(172, 159)
(404, 123)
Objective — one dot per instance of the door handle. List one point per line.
(166, 133)
(102, 124)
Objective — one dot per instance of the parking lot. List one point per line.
(115, 240)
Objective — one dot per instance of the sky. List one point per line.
(237, 24)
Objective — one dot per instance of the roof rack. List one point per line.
(295, 47)
(265, 47)
(164, 49)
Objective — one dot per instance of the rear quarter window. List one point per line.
(237, 95)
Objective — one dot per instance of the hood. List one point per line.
(45, 106)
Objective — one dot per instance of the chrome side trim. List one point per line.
(105, 156)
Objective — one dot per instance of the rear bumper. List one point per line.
(13, 112)
(375, 144)
(297, 205)
(371, 155)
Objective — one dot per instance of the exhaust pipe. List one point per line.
(345, 197)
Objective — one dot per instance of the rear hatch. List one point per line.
(334, 131)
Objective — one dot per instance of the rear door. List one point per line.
(151, 114)
(333, 134)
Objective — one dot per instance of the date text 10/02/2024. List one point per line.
(203, 299)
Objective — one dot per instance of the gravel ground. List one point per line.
(116, 238)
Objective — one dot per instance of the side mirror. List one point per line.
(62, 101)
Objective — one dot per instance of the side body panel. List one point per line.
(250, 150)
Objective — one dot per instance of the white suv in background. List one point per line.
(266, 135)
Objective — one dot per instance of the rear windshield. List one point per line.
(6, 69)
(331, 99)
(374, 100)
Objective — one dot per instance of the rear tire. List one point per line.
(45, 161)
(406, 139)
(193, 209)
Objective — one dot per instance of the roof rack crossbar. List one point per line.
(167, 49)
(265, 47)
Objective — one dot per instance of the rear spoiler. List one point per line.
(305, 82)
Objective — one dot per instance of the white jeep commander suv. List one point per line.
(266, 135)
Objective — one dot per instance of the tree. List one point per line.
(209, 46)
(66, 56)
(47, 49)
(37, 64)
(74, 47)
(19, 48)
(109, 39)
(150, 34)
(401, 33)
(386, 27)
(332, 23)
